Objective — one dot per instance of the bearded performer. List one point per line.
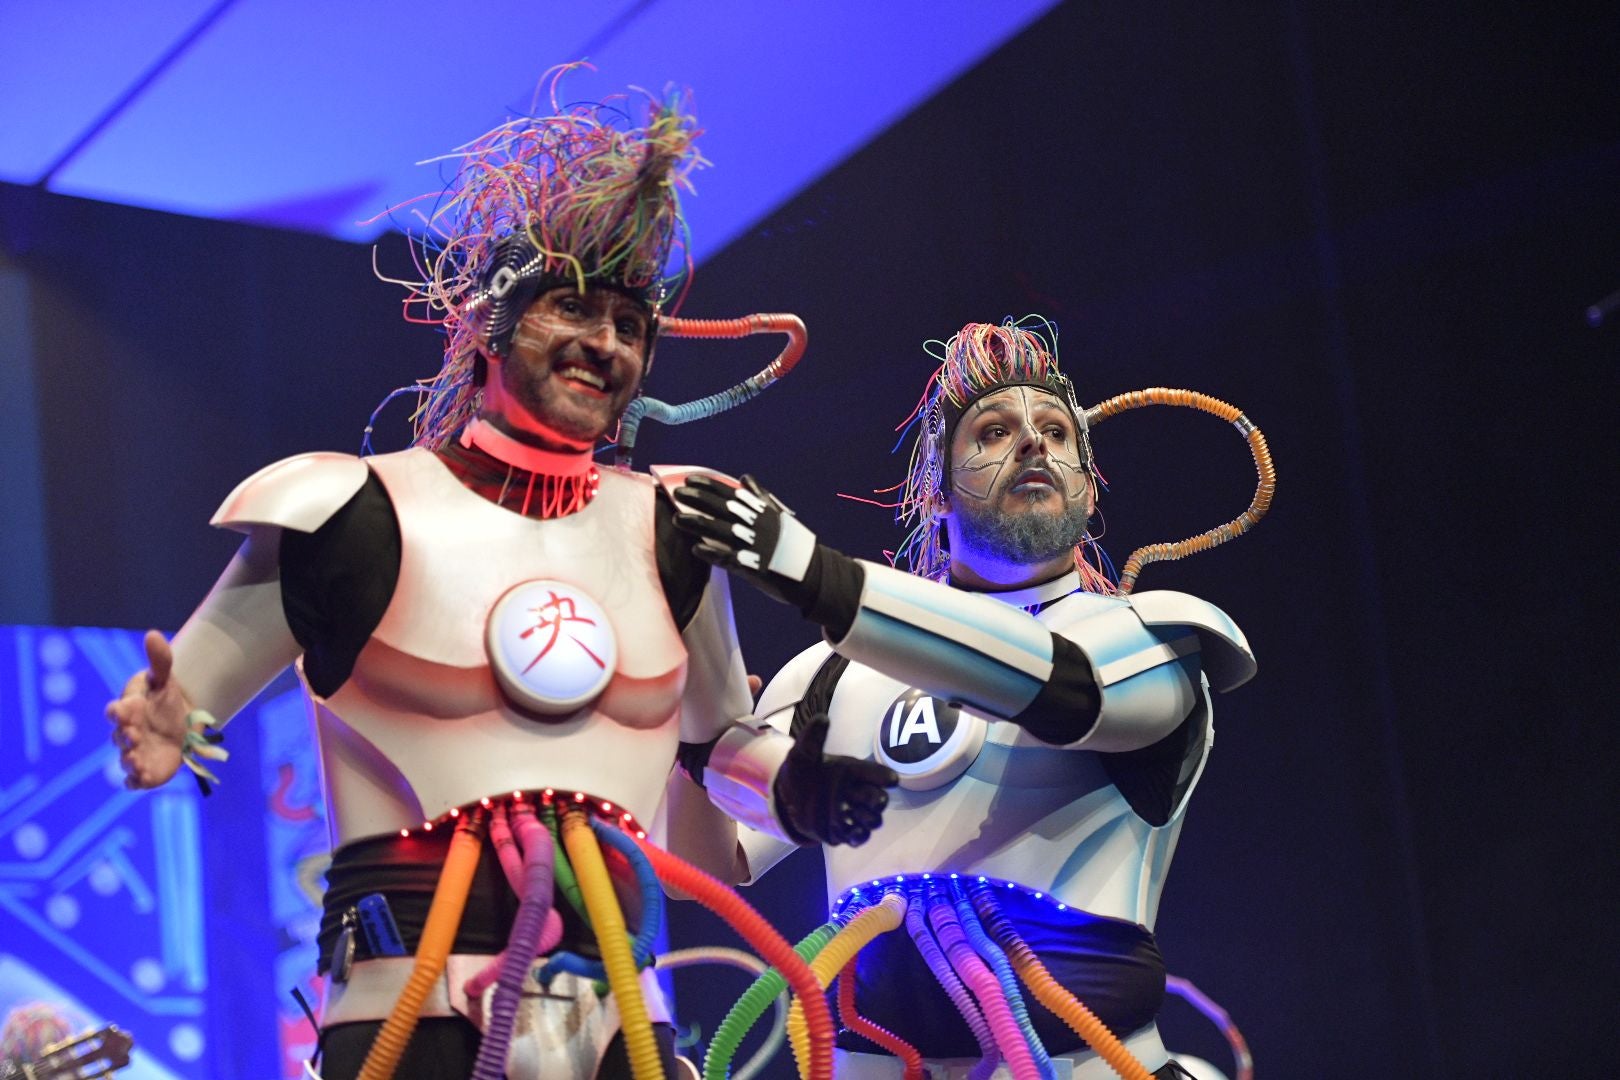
(1048, 731)
(495, 634)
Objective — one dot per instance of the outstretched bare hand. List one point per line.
(150, 719)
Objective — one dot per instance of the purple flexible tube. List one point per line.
(985, 986)
(917, 927)
(521, 944)
(511, 857)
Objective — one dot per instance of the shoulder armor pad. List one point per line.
(298, 493)
(670, 477)
(1227, 658)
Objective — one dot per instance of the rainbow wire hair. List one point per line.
(578, 197)
(978, 359)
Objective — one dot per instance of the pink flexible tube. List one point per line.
(985, 986)
(506, 849)
(917, 926)
(791, 325)
(770, 945)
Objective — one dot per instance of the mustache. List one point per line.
(1032, 470)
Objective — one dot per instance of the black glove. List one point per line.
(829, 799)
(747, 531)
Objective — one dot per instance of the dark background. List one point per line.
(1373, 229)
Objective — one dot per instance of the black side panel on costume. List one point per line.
(818, 695)
(683, 575)
(1154, 778)
(336, 583)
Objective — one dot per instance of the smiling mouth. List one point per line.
(583, 379)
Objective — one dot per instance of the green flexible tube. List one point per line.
(753, 1003)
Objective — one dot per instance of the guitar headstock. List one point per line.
(93, 1054)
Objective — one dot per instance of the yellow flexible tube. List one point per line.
(432, 950)
(886, 915)
(602, 903)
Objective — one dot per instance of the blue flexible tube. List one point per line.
(652, 912)
(998, 962)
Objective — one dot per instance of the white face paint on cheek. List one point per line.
(976, 476)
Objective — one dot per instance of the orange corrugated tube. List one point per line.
(851, 1018)
(1065, 1005)
(1264, 489)
(432, 950)
(613, 938)
(769, 944)
(791, 325)
(856, 934)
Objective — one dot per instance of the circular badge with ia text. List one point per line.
(928, 741)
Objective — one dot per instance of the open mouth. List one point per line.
(1033, 480)
(583, 379)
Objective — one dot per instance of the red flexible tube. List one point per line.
(770, 945)
(791, 325)
(851, 1018)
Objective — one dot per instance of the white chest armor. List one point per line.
(422, 724)
(1009, 806)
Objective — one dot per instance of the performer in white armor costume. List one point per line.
(1048, 730)
(487, 623)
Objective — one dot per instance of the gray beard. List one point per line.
(1020, 538)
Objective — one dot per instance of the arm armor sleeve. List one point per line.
(956, 645)
(238, 639)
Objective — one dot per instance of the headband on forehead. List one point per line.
(979, 359)
(1059, 387)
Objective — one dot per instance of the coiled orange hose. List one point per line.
(1081, 1020)
(663, 412)
(791, 325)
(878, 919)
(852, 1019)
(770, 945)
(614, 940)
(1192, 399)
(432, 950)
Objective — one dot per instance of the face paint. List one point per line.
(1019, 441)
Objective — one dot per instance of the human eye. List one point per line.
(570, 305)
(631, 328)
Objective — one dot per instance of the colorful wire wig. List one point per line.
(976, 360)
(578, 197)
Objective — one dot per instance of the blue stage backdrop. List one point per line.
(184, 920)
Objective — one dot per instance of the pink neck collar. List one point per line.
(507, 450)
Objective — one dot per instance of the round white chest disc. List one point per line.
(551, 646)
(927, 741)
